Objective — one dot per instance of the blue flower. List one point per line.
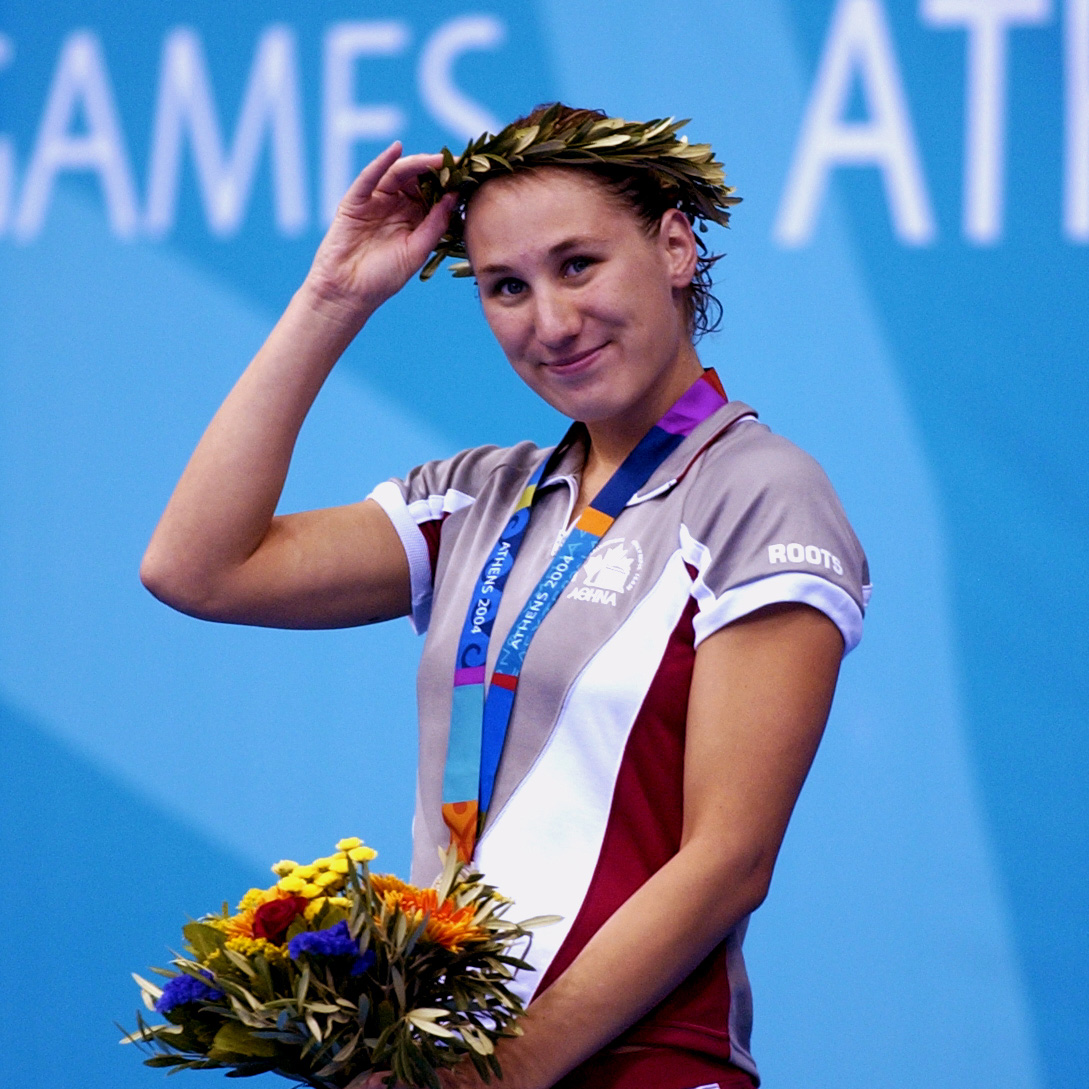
(334, 941)
(183, 989)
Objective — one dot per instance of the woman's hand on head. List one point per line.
(380, 236)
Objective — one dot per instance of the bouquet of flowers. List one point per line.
(335, 972)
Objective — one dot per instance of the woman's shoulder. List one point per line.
(470, 469)
(750, 454)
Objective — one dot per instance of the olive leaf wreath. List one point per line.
(688, 173)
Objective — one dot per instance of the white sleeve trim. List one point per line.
(796, 586)
(388, 496)
(435, 506)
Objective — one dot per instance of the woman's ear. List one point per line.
(679, 247)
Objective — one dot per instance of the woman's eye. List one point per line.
(509, 286)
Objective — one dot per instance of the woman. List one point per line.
(679, 583)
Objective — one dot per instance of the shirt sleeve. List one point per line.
(420, 503)
(763, 526)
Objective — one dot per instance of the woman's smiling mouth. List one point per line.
(576, 362)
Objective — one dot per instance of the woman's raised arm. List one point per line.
(219, 551)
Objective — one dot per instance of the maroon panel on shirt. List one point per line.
(431, 533)
(643, 832)
(655, 1068)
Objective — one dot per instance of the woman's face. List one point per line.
(585, 302)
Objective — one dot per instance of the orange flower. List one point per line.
(447, 924)
(241, 925)
(386, 882)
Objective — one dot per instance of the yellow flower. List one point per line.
(349, 843)
(254, 899)
(249, 947)
(292, 884)
(284, 867)
(362, 854)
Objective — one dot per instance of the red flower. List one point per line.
(271, 920)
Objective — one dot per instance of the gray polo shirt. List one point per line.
(590, 782)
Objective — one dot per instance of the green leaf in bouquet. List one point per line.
(148, 991)
(147, 1033)
(335, 1064)
(302, 985)
(266, 990)
(514, 962)
(204, 940)
(322, 1007)
(250, 1019)
(249, 1070)
(240, 962)
(478, 1041)
(539, 921)
(425, 1021)
(234, 1039)
(400, 934)
(414, 937)
(451, 867)
(235, 993)
(165, 1060)
(398, 985)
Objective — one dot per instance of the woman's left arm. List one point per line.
(761, 691)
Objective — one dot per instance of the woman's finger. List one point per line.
(426, 234)
(403, 175)
(367, 179)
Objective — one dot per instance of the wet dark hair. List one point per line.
(644, 194)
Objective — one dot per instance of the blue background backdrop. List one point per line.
(929, 917)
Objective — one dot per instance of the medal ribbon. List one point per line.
(479, 720)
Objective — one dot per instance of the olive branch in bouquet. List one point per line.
(369, 974)
(687, 173)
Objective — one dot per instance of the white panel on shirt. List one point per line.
(554, 823)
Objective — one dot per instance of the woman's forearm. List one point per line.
(638, 957)
(760, 694)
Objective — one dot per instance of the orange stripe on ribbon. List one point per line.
(461, 818)
(593, 521)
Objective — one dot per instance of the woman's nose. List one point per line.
(557, 317)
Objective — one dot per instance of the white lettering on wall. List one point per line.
(7, 149)
(987, 23)
(858, 46)
(1076, 190)
(344, 121)
(80, 90)
(447, 104)
(186, 106)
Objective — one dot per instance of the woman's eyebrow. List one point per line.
(576, 242)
